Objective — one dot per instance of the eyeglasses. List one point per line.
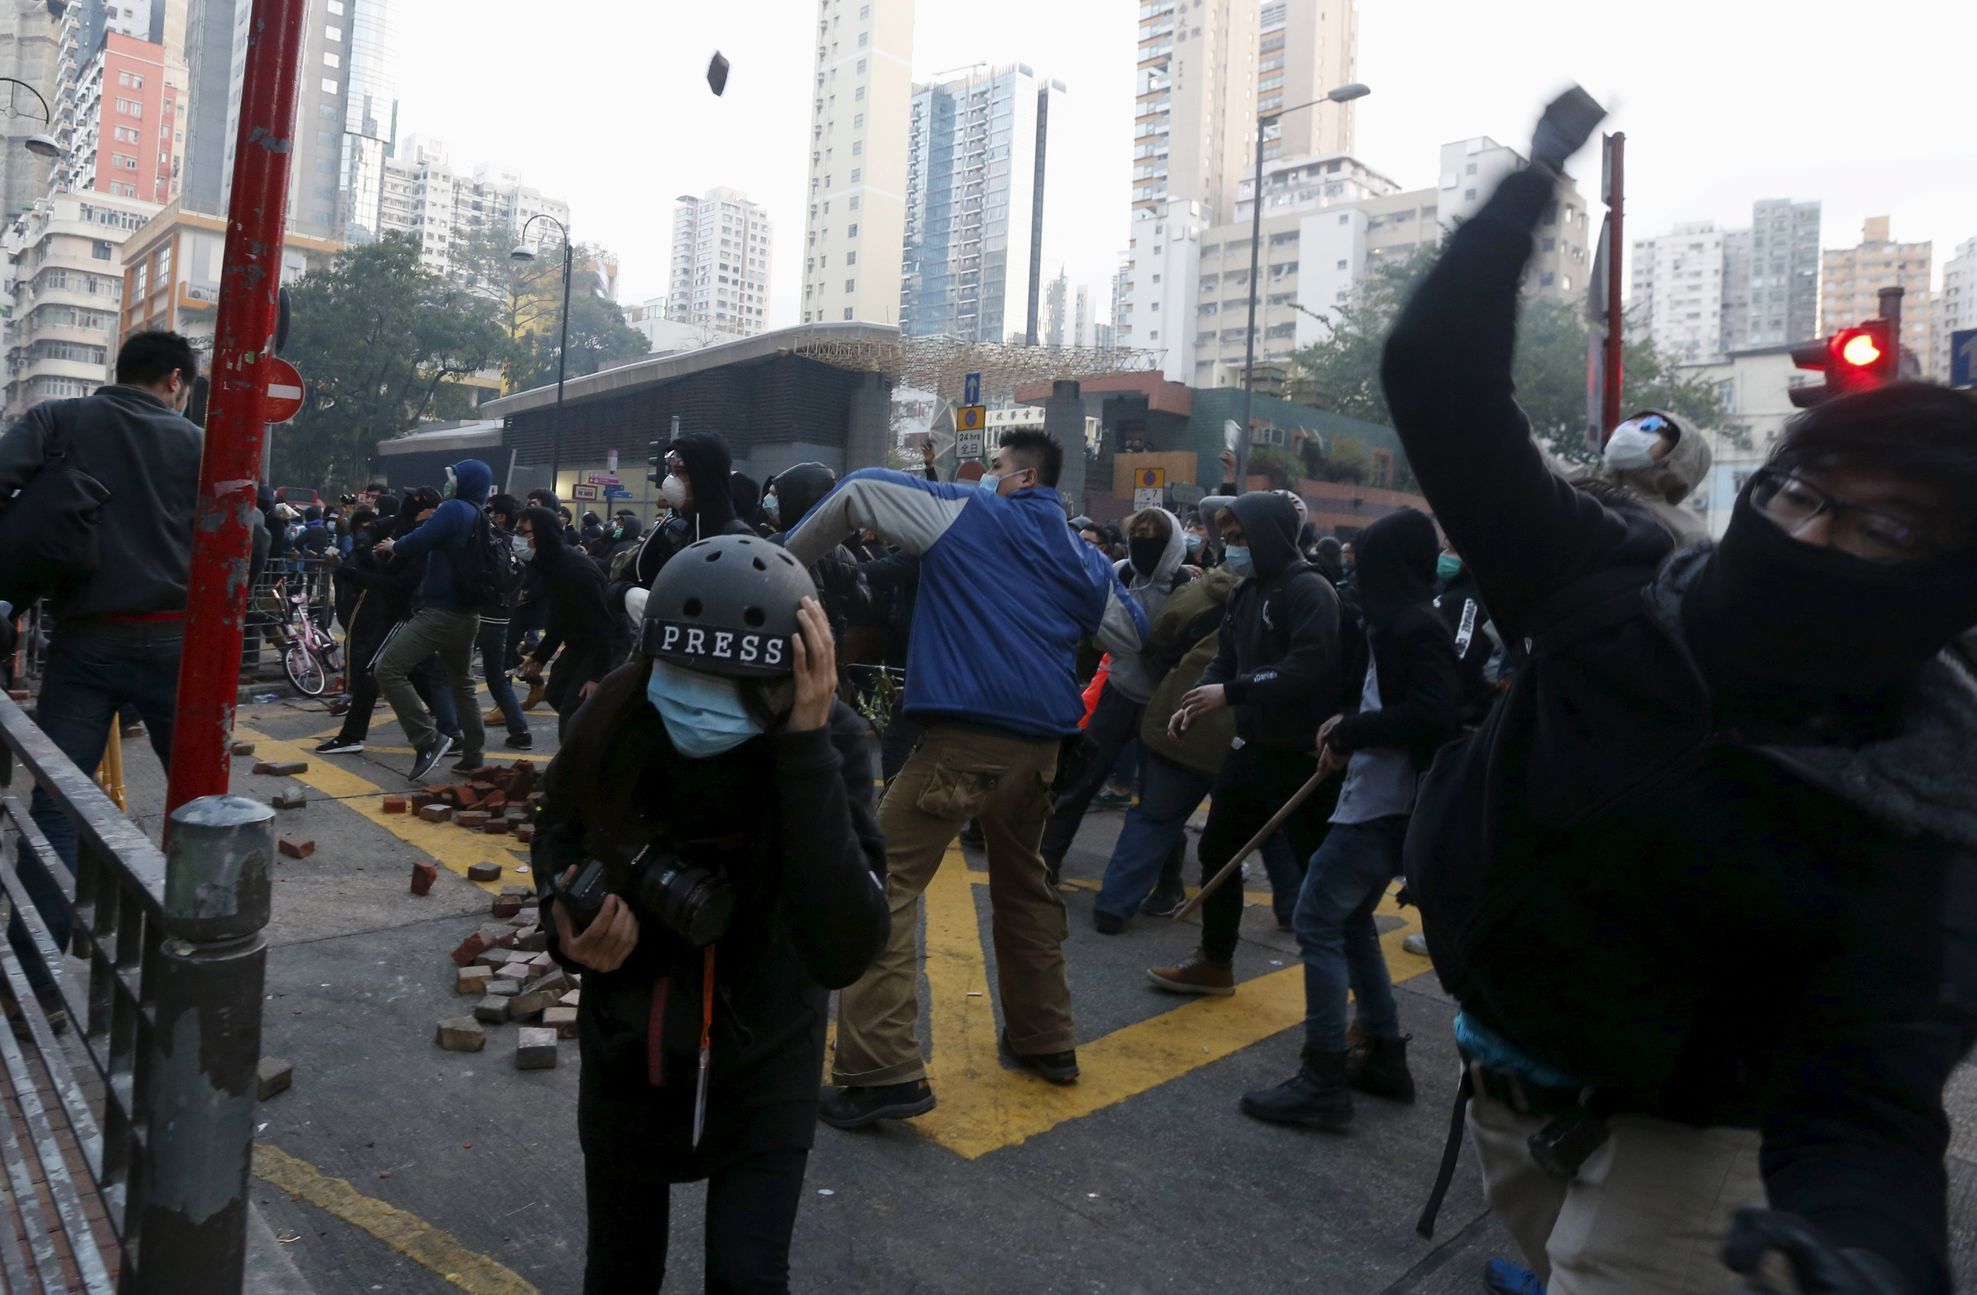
(1866, 533)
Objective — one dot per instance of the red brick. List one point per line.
(424, 873)
(18, 694)
(282, 768)
(497, 827)
(471, 948)
(420, 799)
(436, 813)
(484, 871)
(525, 833)
(472, 819)
(506, 906)
(394, 805)
(495, 801)
(295, 847)
(466, 798)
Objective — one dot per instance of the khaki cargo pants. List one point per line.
(1646, 1214)
(956, 774)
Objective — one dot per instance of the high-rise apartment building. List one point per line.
(30, 53)
(1678, 291)
(424, 198)
(854, 233)
(1956, 307)
(722, 248)
(346, 117)
(210, 72)
(1784, 273)
(1851, 280)
(1305, 50)
(123, 124)
(979, 168)
(66, 254)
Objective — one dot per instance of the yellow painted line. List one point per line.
(454, 848)
(985, 1107)
(409, 1235)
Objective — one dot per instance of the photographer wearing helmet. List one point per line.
(709, 858)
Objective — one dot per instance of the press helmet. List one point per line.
(726, 605)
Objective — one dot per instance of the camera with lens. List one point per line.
(693, 902)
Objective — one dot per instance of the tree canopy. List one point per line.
(530, 297)
(1342, 373)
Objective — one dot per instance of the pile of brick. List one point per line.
(496, 800)
(505, 967)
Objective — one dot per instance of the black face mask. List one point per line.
(1769, 610)
(1146, 553)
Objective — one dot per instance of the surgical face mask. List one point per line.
(1192, 541)
(1237, 556)
(673, 491)
(1631, 448)
(772, 509)
(452, 485)
(704, 714)
(990, 482)
(521, 545)
(1447, 566)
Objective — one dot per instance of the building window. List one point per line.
(857, 173)
(330, 59)
(864, 39)
(847, 312)
(851, 258)
(851, 231)
(330, 86)
(100, 250)
(851, 285)
(333, 33)
(861, 67)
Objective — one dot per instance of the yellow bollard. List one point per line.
(110, 774)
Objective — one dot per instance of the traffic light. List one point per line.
(1853, 359)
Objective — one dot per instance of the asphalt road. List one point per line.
(394, 1166)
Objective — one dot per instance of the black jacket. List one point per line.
(579, 621)
(1468, 620)
(147, 456)
(1413, 656)
(790, 818)
(1771, 930)
(1278, 661)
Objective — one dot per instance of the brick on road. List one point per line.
(282, 769)
(506, 906)
(291, 798)
(561, 1019)
(424, 873)
(435, 813)
(472, 980)
(492, 1009)
(535, 1048)
(273, 1076)
(394, 804)
(243, 748)
(471, 819)
(461, 1034)
(295, 847)
(483, 871)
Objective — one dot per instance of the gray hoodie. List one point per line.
(1129, 673)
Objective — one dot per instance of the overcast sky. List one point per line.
(1863, 106)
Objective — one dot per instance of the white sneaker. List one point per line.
(1416, 944)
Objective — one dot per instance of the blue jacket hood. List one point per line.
(471, 480)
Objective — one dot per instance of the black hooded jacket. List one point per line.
(1420, 696)
(579, 622)
(709, 468)
(840, 582)
(1712, 923)
(1278, 661)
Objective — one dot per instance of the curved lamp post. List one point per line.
(44, 145)
(523, 254)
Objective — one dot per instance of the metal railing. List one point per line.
(127, 1140)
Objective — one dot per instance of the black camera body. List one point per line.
(697, 904)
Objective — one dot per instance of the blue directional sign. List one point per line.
(971, 389)
(1963, 358)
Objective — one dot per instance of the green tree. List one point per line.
(529, 301)
(379, 338)
(1549, 369)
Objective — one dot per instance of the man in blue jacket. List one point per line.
(1006, 592)
(445, 623)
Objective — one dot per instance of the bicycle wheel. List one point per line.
(304, 670)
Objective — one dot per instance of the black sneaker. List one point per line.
(1057, 1067)
(855, 1107)
(430, 755)
(522, 741)
(971, 836)
(338, 746)
(1107, 923)
(1315, 1097)
(1164, 902)
(469, 763)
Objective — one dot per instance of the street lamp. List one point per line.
(1343, 94)
(523, 254)
(44, 145)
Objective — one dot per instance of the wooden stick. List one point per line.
(1255, 842)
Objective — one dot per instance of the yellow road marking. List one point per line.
(455, 848)
(409, 1235)
(984, 1107)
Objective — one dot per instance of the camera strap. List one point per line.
(706, 1042)
(655, 1033)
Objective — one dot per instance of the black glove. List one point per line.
(1818, 1268)
(1569, 121)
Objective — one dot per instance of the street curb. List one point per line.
(270, 1270)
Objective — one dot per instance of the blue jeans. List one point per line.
(493, 644)
(92, 672)
(1337, 936)
(1169, 792)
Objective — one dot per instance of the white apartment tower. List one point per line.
(855, 228)
(1678, 291)
(1305, 50)
(425, 199)
(1956, 308)
(979, 167)
(721, 251)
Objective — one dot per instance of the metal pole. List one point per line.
(1610, 413)
(1249, 341)
(562, 363)
(250, 278)
(197, 1075)
(1891, 311)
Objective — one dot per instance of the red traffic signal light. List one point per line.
(1853, 359)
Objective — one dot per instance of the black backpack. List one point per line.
(50, 532)
(486, 571)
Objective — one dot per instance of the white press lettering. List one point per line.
(672, 637)
(749, 644)
(724, 644)
(772, 652)
(696, 641)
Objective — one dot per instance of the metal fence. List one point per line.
(127, 1139)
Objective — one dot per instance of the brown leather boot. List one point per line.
(1200, 974)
